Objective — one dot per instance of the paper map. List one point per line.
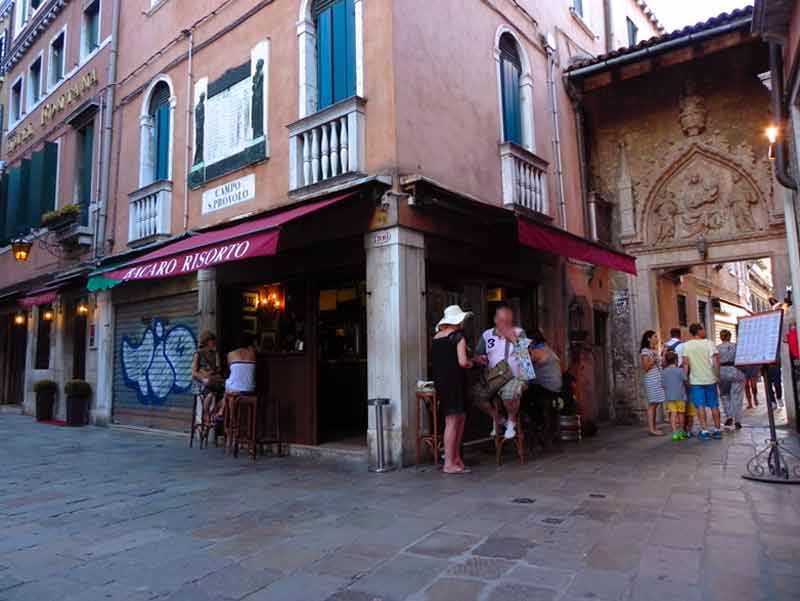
(758, 339)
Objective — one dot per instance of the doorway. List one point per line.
(13, 349)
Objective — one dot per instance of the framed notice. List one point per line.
(758, 340)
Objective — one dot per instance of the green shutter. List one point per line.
(162, 141)
(324, 58)
(85, 170)
(35, 190)
(13, 227)
(339, 51)
(50, 179)
(3, 208)
(25, 214)
(512, 126)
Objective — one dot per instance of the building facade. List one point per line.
(326, 176)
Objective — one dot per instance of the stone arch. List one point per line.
(702, 193)
(146, 130)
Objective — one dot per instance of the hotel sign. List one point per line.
(229, 194)
(73, 93)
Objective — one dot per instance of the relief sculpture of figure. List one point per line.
(199, 128)
(666, 213)
(258, 100)
(741, 204)
(701, 211)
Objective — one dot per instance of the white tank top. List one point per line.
(242, 378)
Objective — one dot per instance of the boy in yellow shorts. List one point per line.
(673, 378)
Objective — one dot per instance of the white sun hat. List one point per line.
(453, 316)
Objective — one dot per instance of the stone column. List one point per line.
(396, 335)
(104, 340)
(781, 277)
(28, 397)
(207, 299)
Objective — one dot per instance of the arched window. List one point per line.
(160, 114)
(334, 22)
(156, 126)
(510, 79)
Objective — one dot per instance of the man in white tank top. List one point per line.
(496, 344)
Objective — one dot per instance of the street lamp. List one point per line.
(19, 319)
(21, 249)
(83, 308)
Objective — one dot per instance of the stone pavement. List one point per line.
(105, 514)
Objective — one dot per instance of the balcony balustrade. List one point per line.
(149, 212)
(524, 179)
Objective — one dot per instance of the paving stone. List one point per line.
(674, 565)
(505, 547)
(344, 565)
(352, 596)
(401, 577)
(236, 581)
(552, 578)
(600, 584)
(486, 568)
(655, 589)
(443, 544)
(521, 592)
(687, 533)
(300, 586)
(550, 556)
(284, 557)
(454, 589)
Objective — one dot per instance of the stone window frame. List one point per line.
(147, 132)
(307, 57)
(525, 92)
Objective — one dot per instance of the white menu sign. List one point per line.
(758, 339)
(229, 194)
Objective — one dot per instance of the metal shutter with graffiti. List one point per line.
(153, 349)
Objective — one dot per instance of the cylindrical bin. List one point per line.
(381, 466)
(570, 427)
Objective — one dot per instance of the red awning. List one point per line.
(558, 242)
(42, 297)
(257, 238)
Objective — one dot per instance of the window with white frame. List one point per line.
(56, 60)
(35, 82)
(633, 32)
(577, 8)
(15, 107)
(20, 17)
(516, 91)
(90, 32)
(156, 134)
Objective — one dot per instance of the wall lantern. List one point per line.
(19, 319)
(772, 135)
(83, 308)
(21, 249)
(47, 315)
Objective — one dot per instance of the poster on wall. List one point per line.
(230, 119)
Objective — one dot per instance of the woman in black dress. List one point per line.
(449, 359)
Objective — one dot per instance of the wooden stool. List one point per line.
(519, 440)
(246, 425)
(428, 401)
(230, 421)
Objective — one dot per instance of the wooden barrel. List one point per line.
(570, 427)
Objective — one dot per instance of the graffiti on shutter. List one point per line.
(159, 363)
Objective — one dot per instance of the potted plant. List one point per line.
(78, 393)
(62, 217)
(46, 391)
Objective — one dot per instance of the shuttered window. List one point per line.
(4, 237)
(160, 112)
(510, 71)
(85, 163)
(336, 50)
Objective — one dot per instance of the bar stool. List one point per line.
(519, 441)
(246, 424)
(428, 402)
(230, 421)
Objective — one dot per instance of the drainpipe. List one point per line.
(785, 178)
(108, 132)
(189, 97)
(551, 86)
(608, 25)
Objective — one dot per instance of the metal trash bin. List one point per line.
(381, 466)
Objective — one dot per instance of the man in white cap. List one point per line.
(496, 344)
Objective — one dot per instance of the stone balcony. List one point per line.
(524, 179)
(327, 144)
(149, 213)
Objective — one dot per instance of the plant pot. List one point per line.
(44, 405)
(570, 427)
(77, 410)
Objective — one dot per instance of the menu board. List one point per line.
(758, 339)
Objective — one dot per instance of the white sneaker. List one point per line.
(511, 431)
(494, 428)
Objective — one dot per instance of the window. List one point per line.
(45, 324)
(35, 82)
(85, 160)
(334, 21)
(20, 17)
(16, 101)
(577, 7)
(510, 75)
(2, 46)
(702, 312)
(91, 29)
(56, 61)
(633, 32)
(683, 311)
(35, 4)
(160, 114)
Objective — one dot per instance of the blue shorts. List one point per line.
(704, 395)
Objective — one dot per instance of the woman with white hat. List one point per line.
(449, 360)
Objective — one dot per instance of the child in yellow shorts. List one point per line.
(673, 378)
